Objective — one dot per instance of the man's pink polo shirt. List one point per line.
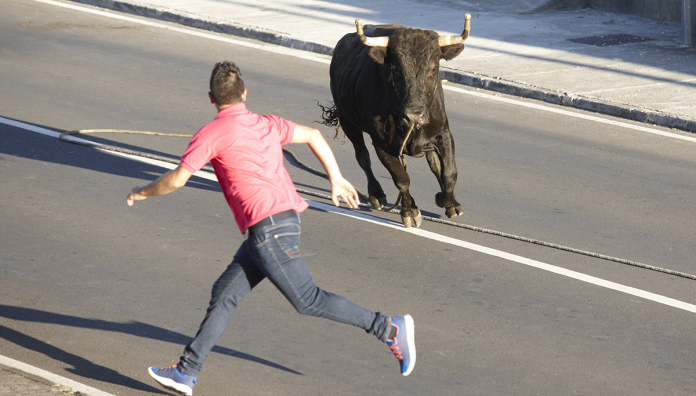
(246, 152)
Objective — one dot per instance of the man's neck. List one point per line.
(223, 107)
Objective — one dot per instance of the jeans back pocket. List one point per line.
(287, 241)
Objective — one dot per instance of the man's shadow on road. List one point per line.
(82, 366)
(37, 147)
(88, 369)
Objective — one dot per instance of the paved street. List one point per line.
(615, 64)
(92, 291)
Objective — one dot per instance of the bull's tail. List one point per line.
(330, 117)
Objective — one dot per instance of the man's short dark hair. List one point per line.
(226, 84)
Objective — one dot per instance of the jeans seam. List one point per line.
(229, 284)
(207, 320)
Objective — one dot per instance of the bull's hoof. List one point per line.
(378, 203)
(454, 211)
(411, 218)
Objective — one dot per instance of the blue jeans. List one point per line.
(273, 252)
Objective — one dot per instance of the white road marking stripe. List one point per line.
(521, 260)
(56, 135)
(264, 47)
(309, 56)
(509, 256)
(429, 235)
(87, 390)
(50, 377)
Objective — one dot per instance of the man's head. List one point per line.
(226, 84)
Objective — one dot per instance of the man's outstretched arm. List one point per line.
(339, 186)
(168, 182)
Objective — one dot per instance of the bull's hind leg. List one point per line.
(377, 197)
(410, 214)
(445, 170)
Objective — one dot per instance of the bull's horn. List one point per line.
(449, 40)
(370, 41)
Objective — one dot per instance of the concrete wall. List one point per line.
(666, 11)
(690, 22)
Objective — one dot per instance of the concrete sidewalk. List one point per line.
(20, 379)
(14, 384)
(575, 58)
(18, 383)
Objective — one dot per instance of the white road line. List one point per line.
(50, 377)
(537, 106)
(192, 32)
(324, 59)
(510, 257)
(430, 235)
(48, 132)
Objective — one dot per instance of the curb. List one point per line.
(27, 375)
(56, 382)
(624, 111)
(475, 80)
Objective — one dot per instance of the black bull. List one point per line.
(384, 81)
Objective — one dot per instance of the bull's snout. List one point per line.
(417, 117)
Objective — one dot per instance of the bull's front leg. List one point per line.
(410, 214)
(443, 166)
(376, 197)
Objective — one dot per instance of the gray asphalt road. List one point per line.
(96, 291)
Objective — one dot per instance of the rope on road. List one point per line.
(67, 138)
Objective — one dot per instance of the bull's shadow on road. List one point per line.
(88, 369)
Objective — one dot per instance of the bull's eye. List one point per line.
(432, 70)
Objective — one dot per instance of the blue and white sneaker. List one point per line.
(171, 378)
(403, 344)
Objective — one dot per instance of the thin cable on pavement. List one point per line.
(67, 138)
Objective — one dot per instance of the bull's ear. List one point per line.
(450, 52)
(377, 54)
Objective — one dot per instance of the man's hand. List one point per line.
(135, 195)
(343, 188)
(168, 182)
(340, 187)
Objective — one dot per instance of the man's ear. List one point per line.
(210, 95)
(244, 95)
